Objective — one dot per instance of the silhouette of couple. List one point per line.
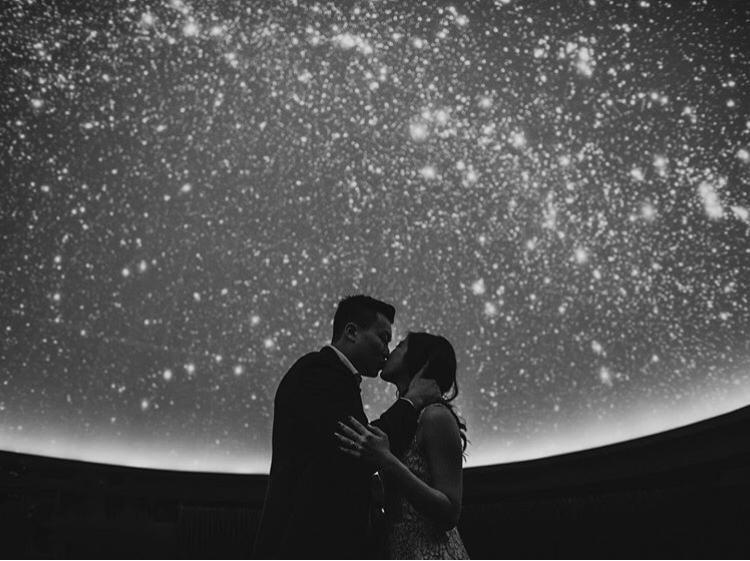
(323, 500)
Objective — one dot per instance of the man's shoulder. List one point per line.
(312, 360)
(316, 363)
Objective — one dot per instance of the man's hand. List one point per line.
(422, 392)
(367, 443)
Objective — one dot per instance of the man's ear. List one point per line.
(350, 332)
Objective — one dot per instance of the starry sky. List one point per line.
(188, 189)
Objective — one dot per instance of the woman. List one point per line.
(423, 488)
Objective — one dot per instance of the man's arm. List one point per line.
(440, 500)
(277, 507)
(279, 498)
(399, 422)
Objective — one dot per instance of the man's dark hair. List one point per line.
(361, 310)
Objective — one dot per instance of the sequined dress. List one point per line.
(410, 534)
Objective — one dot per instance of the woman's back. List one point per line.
(411, 534)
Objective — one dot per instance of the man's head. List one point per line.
(362, 331)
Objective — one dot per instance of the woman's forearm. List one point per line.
(429, 501)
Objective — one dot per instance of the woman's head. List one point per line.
(413, 352)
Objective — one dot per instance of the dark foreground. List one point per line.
(680, 494)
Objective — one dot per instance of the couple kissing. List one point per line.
(343, 487)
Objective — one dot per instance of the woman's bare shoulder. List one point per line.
(434, 411)
(437, 421)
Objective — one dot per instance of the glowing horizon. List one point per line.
(146, 454)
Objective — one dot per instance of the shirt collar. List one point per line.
(346, 361)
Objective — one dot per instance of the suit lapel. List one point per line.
(348, 378)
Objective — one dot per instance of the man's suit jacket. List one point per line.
(317, 501)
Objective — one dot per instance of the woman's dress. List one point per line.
(410, 534)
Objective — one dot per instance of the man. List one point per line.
(317, 501)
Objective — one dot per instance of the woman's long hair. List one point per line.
(422, 347)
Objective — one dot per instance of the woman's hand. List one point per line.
(423, 391)
(367, 443)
